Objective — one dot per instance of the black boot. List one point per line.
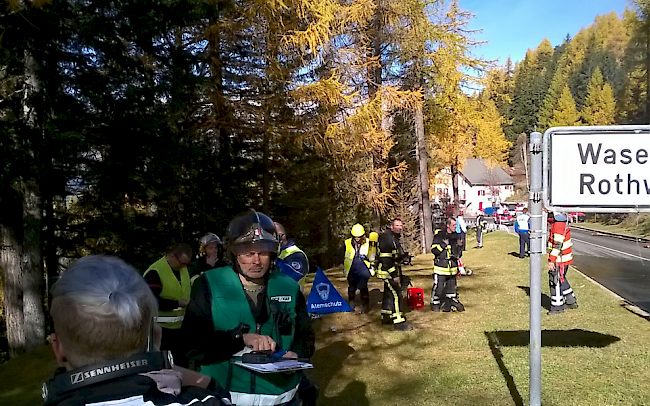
(403, 326)
(570, 302)
(446, 306)
(351, 301)
(456, 306)
(365, 303)
(435, 307)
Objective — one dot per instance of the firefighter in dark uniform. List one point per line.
(391, 255)
(446, 248)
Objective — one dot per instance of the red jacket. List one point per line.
(559, 244)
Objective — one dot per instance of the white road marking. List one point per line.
(611, 249)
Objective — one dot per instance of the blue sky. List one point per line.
(511, 26)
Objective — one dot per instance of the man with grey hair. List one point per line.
(103, 313)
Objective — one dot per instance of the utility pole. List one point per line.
(536, 246)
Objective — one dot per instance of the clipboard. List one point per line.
(275, 367)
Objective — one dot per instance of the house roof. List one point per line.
(476, 173)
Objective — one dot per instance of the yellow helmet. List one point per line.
(357, 230)
(373, 237)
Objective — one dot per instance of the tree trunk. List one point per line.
(32, 271)
(423, 180)
(374, 81)
(454, 183)
(524, 155)
(31, 264)
(269, 92)
(13, 297)
(647, 78)
(221, 114)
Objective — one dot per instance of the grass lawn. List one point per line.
(21, 378)
(622, 229)
(594, 355)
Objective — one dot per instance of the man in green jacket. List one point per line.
(169, 280)
(249, 305)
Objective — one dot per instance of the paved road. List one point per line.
(620, 265)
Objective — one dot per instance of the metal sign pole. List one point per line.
(536, 247)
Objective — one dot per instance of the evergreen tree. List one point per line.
(599, 106)
(565, 114)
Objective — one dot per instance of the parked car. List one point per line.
(577, 216)
(519, 208)
(503, 217)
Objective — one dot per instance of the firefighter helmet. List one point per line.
(209, 238)
(251, 230)
(357, 230)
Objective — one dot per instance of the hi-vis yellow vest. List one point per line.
(349, 255)
(172, 290)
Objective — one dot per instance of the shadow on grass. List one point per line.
(515, 254)
(637, 309)
(556, 338)
(546, 301)
(498, 357)
(550, 338)
(330, 360)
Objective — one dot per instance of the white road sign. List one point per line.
(603, 169)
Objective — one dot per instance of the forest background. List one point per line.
(129, 125)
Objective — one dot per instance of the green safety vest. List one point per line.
(349, 255)
(173, 290)
(230, 307)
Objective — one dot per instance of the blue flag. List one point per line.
(324, 298)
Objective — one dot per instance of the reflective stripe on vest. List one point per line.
(172, 289)
(165, 319)
(350, 252)
(444, 270)
(239, 398)
(560, 244)
(290, 250)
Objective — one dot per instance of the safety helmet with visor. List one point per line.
(251, 231)
(210, 238)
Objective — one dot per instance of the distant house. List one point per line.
(478, 186)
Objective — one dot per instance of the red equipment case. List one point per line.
(415, 298)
